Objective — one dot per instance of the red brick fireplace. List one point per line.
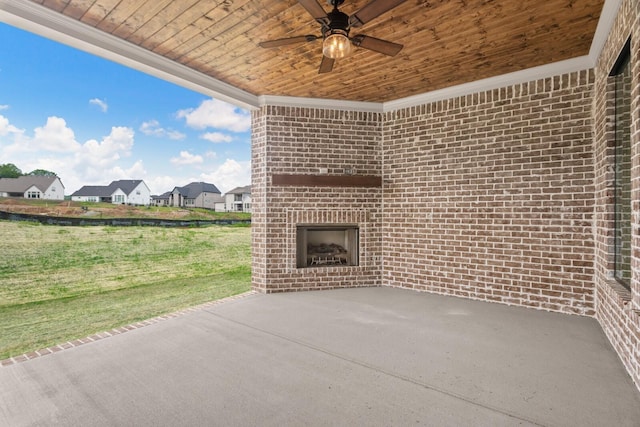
(319, 169)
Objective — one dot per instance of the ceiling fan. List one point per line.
(335, 27)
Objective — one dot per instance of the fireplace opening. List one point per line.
(327, 245)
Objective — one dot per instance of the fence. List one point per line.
(118, 222)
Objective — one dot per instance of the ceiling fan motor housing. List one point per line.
(338, 21)
(335, 28)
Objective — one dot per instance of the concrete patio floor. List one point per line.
(372, 356)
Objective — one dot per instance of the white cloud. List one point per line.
(93, 162)
(212, 113)
(97, 161)
(187, 158)
(216, 137)
(6, 128)
(135, 171)
(229, 175)
(175, 135)
(4, 107)
(54, 136)
(113, 147)
(55, 164)
(100, 103)
(153, 128)
(160, 184)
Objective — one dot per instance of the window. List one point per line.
(621, 85)
(33, 195)
(118, 198)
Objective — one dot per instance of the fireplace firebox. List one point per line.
(327, 245)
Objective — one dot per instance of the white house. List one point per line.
(238, 199)
(124, 191)
(32, 187)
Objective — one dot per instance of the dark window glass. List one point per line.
(621, 76)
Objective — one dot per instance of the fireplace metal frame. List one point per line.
(351, 243)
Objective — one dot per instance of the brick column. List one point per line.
(319, 143)
(259, 200)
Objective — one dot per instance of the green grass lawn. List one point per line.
(61, 283)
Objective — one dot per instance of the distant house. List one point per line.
(124, 191)
(161, 200)
(238, 199)
(193, 195)
(32, 187)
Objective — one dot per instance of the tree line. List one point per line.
(9, 170)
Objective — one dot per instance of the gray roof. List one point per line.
(23, 183)
(241, 190)
(194, 189)
(94, 190)
(126, 185)
(164, 195)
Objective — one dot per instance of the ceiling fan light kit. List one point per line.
(335, 27)
(336, 42)
(336, 45)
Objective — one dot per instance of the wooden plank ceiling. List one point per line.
(446, 42)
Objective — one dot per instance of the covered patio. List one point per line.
(368, 356)
(487, 161)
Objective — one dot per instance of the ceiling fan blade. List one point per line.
(315, 10)
(288, 41)
(377, 45)
(371, 11)
(326, 65)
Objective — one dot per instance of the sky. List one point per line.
(92, 121)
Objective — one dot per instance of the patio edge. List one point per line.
(117, 331)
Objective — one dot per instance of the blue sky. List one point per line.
(93, 121)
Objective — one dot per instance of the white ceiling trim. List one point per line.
(605, 24)
(40, 20)
(528, 75)
(335, 104)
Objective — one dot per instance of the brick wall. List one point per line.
(616, 307)
(304, 141)
(490, 196)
